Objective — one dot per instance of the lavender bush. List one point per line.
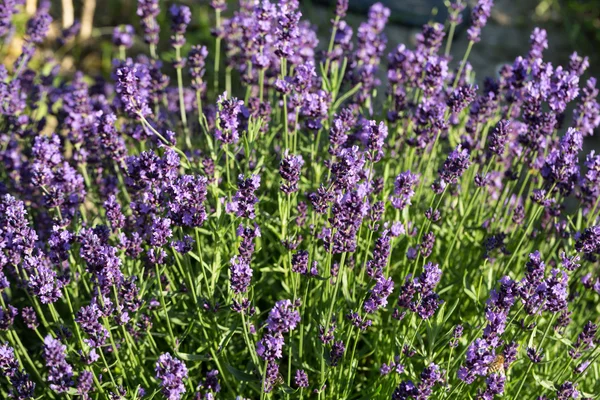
(315, 231)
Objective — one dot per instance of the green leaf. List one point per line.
(544, 383)
(240, 375)
(192, 357)
(287, 390)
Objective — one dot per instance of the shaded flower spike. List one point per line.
(453, 168)
(228, 119)
(60, 375)
(289, 169)
(244, 201)
(123, 36)
(480, 14)
(171, 373)
(197, 61)
(404, 189)
(283, 317)
(499, 137)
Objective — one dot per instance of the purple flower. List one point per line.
(123, 36)
(283, 317)
(337, 353)
(494, 386)
(453, 168)
(60, 374)
(171, 373)
(37, 26)
(456, 335)
(480, 355)
(404, 189)
(270, 347)
(181, 16)
(480, 14)
(535, 356)
(197, 61)
(228, 119)
(340, 127)
(585, 340)
(43, 283)
(567, 391)
(588, 242)
(7, 317)
(85, 384)
(406, 390)
(348, 211)
(21, 385)
(461, 97)
(7, 9)
(148, 10)
(290, 169)
(241, 274)
(244, 201)
(301, 378)
(29, 317)
(561, 167)
(587, 113)
(211, 383)
(132, 82)
(538, 42)
(300, 262)
(186, 196)
(376, 135)
(430, 376)
(381, 253)
(499, 137)
(378, 295)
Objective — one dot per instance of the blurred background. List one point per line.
(572, 25)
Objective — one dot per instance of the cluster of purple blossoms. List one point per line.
(347, 214)
(561, 169)
(123, 36)
(243, 203)
(370, 47)
(479, 16)
(418, 296)
(282, 318)
(181, 16)
(461, 97)
(480, 355)
(22, 385)
(60, 374)
(540, 293)
(132, 83)
(430, 376)
(197, 61)
(381, 254)
(566, 391)
(453, 168)
(588, 242)
(148, 10)
(378, 295)
(228, 117)
(404, 189)
(290, 170)
(171, 373)
(585, 340)
(498, 138)
(301, 378)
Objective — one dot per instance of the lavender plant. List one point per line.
(321, 230)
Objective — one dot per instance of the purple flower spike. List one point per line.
(244, 201)
(480, 14)
(171, 373)
(60, 375)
